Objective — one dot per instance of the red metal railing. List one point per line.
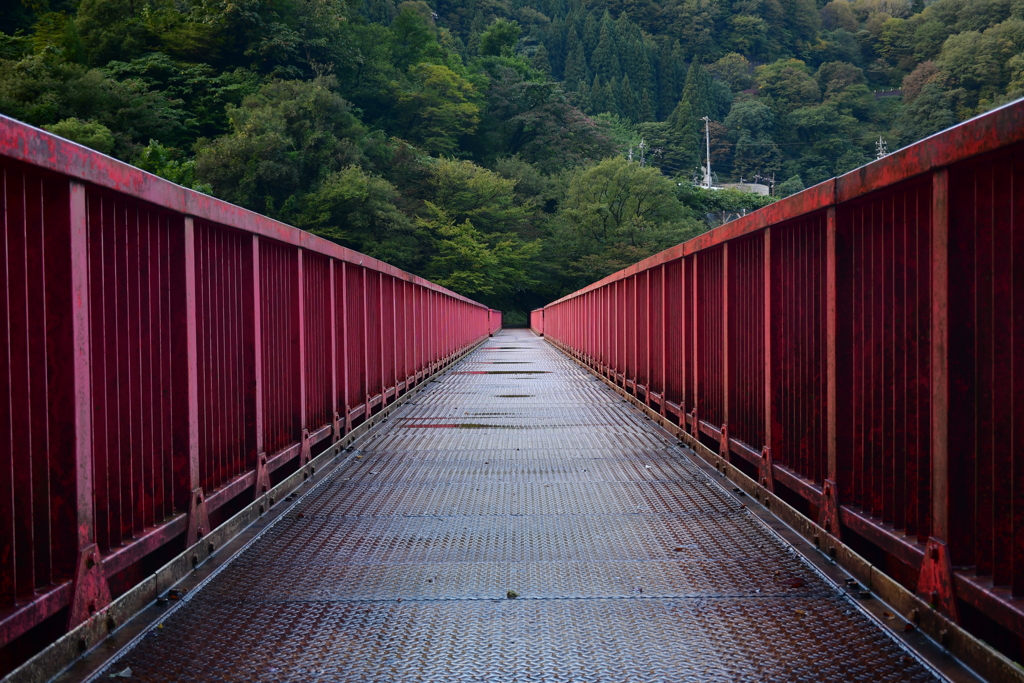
(163, 354)
(537, 321)
(860, 344)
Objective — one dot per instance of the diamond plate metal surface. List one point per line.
(629, 562)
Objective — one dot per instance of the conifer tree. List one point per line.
(602, 98)
(633, 54)
(611, 96)
(604, 61)
(646, 108)
(629, 103)
(577, 75)
(581, 98)
(591, 33)
(554, 42)
(540, 60)
(684, 125)
(670, 78)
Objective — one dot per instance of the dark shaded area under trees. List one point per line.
(495, 146)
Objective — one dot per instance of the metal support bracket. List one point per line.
(935, 583)
(723, 444)
(198, 518)
(695, 424)
(829, 514)
(306, 454)
(90, 590)
(336, 428)
(262, 476)
(766, 472)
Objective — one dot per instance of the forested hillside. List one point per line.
(512, 150)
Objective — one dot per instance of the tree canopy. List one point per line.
(510, 150)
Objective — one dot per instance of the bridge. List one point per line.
(788, 449)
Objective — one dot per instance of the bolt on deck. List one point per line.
(518, 527)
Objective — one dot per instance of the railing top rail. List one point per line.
(984, 133)
(36, 147)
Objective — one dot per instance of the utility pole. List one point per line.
(883, 149)
(707, 142)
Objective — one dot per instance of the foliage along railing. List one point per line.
(166, 355)
(857, 348)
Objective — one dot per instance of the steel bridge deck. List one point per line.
(518, 471)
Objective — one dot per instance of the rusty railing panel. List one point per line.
(163, 354)
(857, 348)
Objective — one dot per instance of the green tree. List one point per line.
(616, 212)
(285, 139)
(577, 74)
(42, 90)
(605, 59)
(839, 14)
(467, 192)
(358, 209)
(533, 119)
(88, 133)
(468, 262)
(735, 70)
(930, 112)
(500, 38)
(540, 60)
(671, 76)
(412, 33)
(789, 187)
(751, 124)
(685, 127)
(437, 108)
(835, 77)
(788, 84)
(170, 164)
(629, 103)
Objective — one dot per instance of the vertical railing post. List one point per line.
(190, 496)
(636, 332)
(394, 332)
(695, 346)
(418, 330)
(345, 358)
(428, 340)
(254, 358)
(647, 337)
(618, 334)
(770, 432)
(684, 350)
(829, 515)
(333, 321)
(727, 373)
(380, 334)
(90, 590)
(664, 338)
(936, 577)
(940, 354)
(305, 453)
(366, 345)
